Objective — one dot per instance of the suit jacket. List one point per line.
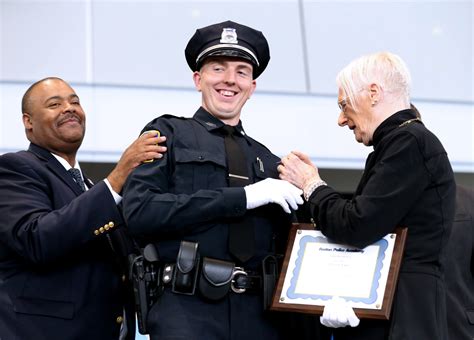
(460, 269)
(59, 277)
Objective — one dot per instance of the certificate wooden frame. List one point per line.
(383, 313)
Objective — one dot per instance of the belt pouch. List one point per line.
(270, 277)
(215, 279)
(186, 269)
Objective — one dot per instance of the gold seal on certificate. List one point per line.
(316, 269)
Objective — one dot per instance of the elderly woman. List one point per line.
(407, 181)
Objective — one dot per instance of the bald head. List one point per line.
(26, 100)
(53, 117)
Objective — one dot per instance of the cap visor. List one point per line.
(229, 53)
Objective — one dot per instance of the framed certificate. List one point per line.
(315, 269)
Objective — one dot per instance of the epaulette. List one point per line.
(166, 116)
(257, 142)
(169, 115)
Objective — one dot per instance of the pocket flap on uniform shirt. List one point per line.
(58, 309)
(470, 316)
(190, 156)
(266, 166)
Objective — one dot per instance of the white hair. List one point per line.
(385, 69)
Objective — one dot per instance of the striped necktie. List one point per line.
(76, 174)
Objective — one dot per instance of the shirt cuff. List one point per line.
(117, 197)
(234, 201)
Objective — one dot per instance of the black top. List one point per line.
(407, 181)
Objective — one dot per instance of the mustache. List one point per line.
(68, 116)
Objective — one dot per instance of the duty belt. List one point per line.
(241, 280)
(215, 278)
(212, 278)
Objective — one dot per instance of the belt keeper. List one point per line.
(270, 276)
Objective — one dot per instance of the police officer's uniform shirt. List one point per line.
(185, 195)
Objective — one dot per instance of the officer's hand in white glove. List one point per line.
(272, 190)
(337, 313)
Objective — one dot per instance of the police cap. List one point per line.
(228, 39)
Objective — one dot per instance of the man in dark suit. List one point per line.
(59, 271)
(460, 268)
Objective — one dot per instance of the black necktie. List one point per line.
(241, 232)
(76, 174)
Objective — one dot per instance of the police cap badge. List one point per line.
(228, 39)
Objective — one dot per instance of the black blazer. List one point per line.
(59, 277)
(460, 268)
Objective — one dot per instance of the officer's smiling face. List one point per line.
(226, 84)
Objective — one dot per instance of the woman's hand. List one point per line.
(298, 169)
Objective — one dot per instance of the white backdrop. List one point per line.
(126, 61)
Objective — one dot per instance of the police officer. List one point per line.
(216, 186)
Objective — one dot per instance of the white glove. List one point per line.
(272, 190)
(337, 313)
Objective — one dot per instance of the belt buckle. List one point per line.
(237, 271)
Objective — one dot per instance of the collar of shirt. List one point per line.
(212, 123)
(66, 165)
(390, 124)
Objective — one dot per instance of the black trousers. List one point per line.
(238, 316)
